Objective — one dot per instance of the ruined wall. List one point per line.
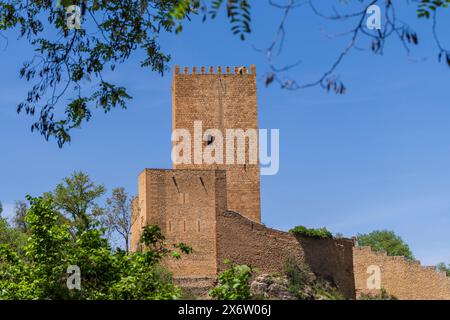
(221, 100)
(246, 242)
(332, 259)
(184, 204)
(407, 280)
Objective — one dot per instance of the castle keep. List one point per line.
(215, 208)
(187, 200)
(223, 100)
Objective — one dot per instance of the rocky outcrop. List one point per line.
(275, 287)
(194, 288)
(267, 286)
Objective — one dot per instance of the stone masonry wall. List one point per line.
(221, 99)
(406, 280)
(332, 259)
(184, 204)
(246, 242)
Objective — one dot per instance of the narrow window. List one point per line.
(210, 140)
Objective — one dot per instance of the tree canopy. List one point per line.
(40, 269)
(76, 199)
(385, 240)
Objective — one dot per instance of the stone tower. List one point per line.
(223, 100)
(189, 201)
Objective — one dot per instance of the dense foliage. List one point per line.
(39, 270)
(320, 233)
(234, 283)
(11, 237)
(75, 198)
(385, 240)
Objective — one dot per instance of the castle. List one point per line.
(215, 208)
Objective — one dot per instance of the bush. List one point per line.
(234, 283)
(40, 271)
(307, 286)
(321, 233)
(299, 276)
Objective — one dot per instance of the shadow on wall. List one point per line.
(331, 259)
(247, 242)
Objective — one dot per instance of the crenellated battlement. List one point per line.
(238, 71)
(222, 98)
(399, 276)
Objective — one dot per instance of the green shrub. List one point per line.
(299, 276)
(321, 233)
(234, 283)
(40, 271)
(307, 286)
(324, 290)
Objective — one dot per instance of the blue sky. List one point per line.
(375, 158)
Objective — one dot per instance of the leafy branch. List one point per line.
(66, 60)
(392, 27)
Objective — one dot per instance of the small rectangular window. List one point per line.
(210, 140)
